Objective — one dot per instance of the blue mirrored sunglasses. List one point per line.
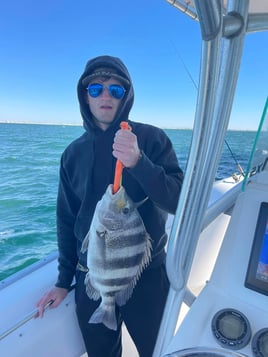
(115, 90)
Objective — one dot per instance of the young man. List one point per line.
(106, 96)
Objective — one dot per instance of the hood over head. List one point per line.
(105, 66)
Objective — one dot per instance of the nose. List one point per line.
(105, 93)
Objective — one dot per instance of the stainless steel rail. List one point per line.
(33, 314)
(231, 23)
(220, 62)
(186, 8)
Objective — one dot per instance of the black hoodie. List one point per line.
(87, 168)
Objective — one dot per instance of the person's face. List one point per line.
(104, 106)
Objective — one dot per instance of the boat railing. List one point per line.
(31, 315)
(35, 312)
(222, 205)
(220, 63)
(28, 270)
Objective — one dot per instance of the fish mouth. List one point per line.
(116, 194)
(119, 199)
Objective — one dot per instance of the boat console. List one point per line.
(230, 316)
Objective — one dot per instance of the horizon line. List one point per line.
(81, 125)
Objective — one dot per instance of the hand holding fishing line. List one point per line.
(126, 150)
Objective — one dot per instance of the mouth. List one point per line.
(106, 107)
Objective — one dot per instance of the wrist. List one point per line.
(138, 159)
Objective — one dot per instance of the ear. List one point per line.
(86, 98)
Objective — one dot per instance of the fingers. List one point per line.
(125, 148)
(52, 299)
(42, 305)
(47, 299)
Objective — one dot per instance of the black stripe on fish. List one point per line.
(126, 241)
(114, 263)
(126, 262)
(115, 282)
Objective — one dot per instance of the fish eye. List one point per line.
(125, 210)
(101, 234)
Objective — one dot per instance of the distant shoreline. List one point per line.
(32, 123)
(65, 124)
(81, 125)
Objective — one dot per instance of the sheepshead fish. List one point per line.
(118, 249)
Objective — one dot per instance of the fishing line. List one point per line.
(184, 65)
(237, 163)
(196, 87)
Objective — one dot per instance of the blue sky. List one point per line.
(46, 44)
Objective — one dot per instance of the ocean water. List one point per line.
(29, 164)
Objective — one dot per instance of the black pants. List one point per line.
(141, 314)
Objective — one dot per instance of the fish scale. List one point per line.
(118, 249)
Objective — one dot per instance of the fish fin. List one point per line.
(85, 242)
(105, 316)
(147, 254)
(122, 296)
(91, 291)
(138, 204)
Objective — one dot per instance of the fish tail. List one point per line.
(106, 316)
(85, 242)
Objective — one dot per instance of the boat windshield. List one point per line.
(259, 155)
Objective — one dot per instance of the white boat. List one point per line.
(217, 304)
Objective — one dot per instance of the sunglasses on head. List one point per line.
(115, 90)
